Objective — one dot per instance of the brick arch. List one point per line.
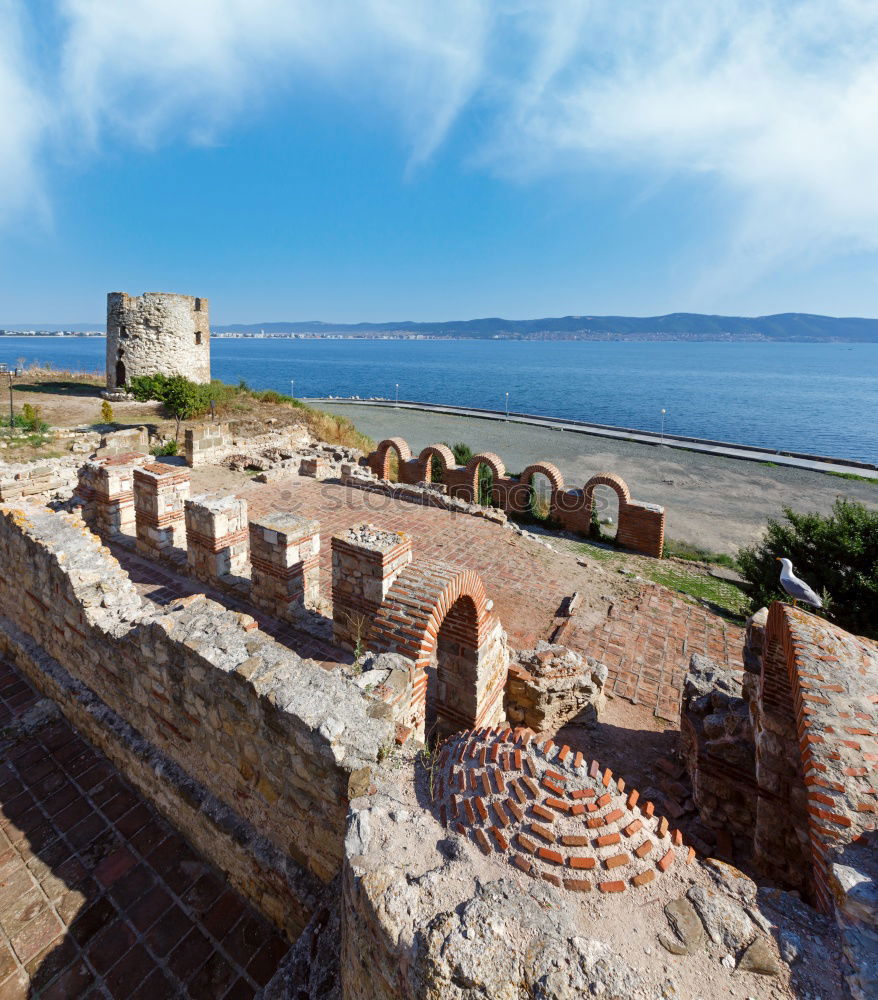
(435, 609)
(616, 483)
(378, 460)
(440, 451)
(551, 472)
(494, 463)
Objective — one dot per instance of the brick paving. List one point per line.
(646, 645)
(646, 642)
(99, 896)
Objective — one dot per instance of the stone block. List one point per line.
(217, 536)
(284, 563)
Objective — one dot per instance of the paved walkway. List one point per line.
(99, 896)
(817, 463)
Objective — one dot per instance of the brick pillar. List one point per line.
(217, 536)
(106, 488)
(160, 492)
(365, 562)
(284, 563)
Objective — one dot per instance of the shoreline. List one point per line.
(711, 500)
(728, 449)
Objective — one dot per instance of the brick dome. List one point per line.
(551, 813)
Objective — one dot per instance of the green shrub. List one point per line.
(31, 419)
(146, 387)
(106, 412)
(837, 555)
(168, 448)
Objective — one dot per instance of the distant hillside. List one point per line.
(676, 326)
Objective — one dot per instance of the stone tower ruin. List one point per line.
(156, 332)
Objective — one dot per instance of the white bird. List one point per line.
(796, 588)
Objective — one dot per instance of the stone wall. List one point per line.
(54, 478)
(641, 526)
(716, 742)
(157, 333)
(205, 444)
(551, 685)
(279, 741)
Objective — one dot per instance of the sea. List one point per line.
(816, 398)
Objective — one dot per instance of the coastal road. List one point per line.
(711, 500)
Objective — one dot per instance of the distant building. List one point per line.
(157, 332)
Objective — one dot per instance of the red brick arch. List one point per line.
(551, 472)
(435, 609)
(494, 463)
(616, 483)
(379, 459)
(440, 451)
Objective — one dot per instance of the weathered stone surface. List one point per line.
(550, 686)
(157, 333)
(274, 739)
(685, 924)
(759, 957)
(724, 920)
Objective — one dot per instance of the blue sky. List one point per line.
(402, 159)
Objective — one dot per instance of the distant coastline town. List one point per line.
(795, 327)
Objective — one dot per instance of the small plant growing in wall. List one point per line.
(106, 412)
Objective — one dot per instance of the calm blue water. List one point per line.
(820, 398)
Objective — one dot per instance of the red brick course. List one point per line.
(560, 839)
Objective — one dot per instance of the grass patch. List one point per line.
(595, 552)
(853, 477)
(726, 597)
(692, 553)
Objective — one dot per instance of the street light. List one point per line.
(663, 425)
(507, 405)
(397, 393)
(293, 388)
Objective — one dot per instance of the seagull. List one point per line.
(796, 588)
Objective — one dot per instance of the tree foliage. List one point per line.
(837, 555)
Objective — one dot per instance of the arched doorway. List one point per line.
(440, 619)
(121, 377)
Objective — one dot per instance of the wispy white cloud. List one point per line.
(24, 118)
(774, 102)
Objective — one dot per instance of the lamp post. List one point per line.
(507, 405)
(293, 388)
(663, 426)
(397, 393)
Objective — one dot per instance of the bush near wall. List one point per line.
(837, 555)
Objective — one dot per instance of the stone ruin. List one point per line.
(499, 856)
(641, 526)
(156, 333)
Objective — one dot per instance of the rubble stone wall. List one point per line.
(55, 478)
(279, 741)
(157, 333)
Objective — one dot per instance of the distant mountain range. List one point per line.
(675, 326)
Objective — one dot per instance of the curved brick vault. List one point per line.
(551, 813)
(434, 611)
